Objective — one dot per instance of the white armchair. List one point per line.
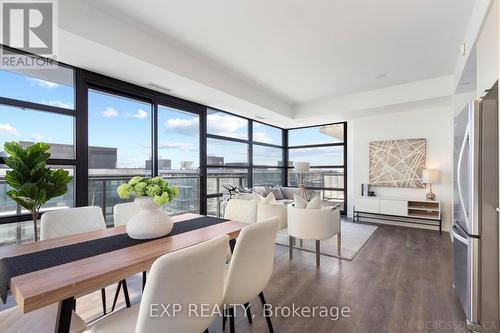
(314, 224)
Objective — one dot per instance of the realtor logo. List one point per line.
(28, 26)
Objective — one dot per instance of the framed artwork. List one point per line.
(397, 163)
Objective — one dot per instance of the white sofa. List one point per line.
(287, 192)
(250, 211)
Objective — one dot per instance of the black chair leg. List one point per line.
(249, 312)
(103, 298)
(117, 292)
(125, 293)
(268, 318)
(231, 320)
(224, 318)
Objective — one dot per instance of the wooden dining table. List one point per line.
(62, 284)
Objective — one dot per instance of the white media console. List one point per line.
(417, 211)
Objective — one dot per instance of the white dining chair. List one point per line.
(40, 321)
(121, 215)
(314, 224)
(250, 269)
(194, 275)
(70, 221)
(123, 212)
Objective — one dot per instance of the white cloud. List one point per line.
(38, 137)
(183, 126)
(139, 114)
(42, 83)
(225, 125)
(8, 129)
(177, 145)
(262, 137)
(109, 113)
(58, 104)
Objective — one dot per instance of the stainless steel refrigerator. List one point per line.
(475, 228)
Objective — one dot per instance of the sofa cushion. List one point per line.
(315, 203)
(260, 190)
(288, 192)
(299, 202)
(267, 200)
(302, 203)
(276, 191)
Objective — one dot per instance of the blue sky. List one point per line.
(126, 124)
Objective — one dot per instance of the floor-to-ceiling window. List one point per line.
(227, 156)
(36, 106)
(324, 147)
(179, 157)
(268, 155)
(119, 145)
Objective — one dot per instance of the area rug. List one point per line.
(354, 236)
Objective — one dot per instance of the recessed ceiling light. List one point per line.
(380, 76)
(157, 86)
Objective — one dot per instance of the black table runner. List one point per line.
(31, 262)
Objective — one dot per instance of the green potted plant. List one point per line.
(150, 194)
(32, 182)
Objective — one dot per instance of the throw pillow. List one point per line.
(267, 200)
(299, 202)
(314, 204)
(276, 191)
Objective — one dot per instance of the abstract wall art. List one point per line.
(397, 163)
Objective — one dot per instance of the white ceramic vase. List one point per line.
(150, 222)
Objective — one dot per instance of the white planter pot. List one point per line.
(150, 222)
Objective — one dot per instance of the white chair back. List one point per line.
(241, 210)
(251, 266)
(70, 221)
(317, 224)
(123, 212)
(194, 275)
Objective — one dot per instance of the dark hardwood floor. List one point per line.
(400, 281)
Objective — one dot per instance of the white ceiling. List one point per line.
(301, 51)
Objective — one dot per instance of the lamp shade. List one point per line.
(301, 167)
(430, 176)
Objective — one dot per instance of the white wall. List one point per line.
(435, 125)
(487, 51)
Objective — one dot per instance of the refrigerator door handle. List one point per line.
(457, 236)
(459, 169)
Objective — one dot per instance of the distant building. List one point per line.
(238, 164)
(163, 164)
(102, 157)
(99, 157)
(187, 165)
(215, 160)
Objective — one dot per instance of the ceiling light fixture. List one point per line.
(157, 86)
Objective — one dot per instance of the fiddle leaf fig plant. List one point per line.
(32, 182)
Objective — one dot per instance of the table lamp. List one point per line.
(301, 168)
(430, 176)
